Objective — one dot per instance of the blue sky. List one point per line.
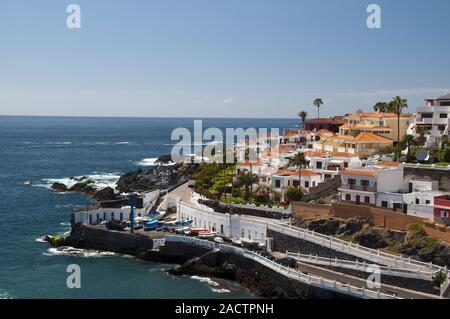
(219, 58)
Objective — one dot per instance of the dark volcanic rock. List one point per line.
(59, 187)
(84, 187)
(105, 194)
(158, 177)
(164, 159)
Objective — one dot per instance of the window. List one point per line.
(417, 201)
(121, 216)
(104, 216)
(98, 218)
(242, 233)
(427, 202)
(384, 204)
(367, 199)
(444, 214)
(345, 164)
(90, 219)
(112, 216)
(314, 184)
(319, 165)
(277, 183)
(348, 197)
(306, 184)
(443, 115)
(221, 229)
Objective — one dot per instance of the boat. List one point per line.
(155, 215)
(151, 225)
(209, 235)
(27, 183)
(218, 240)
(198, 231)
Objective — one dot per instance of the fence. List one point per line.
(336, 244)
(316, 281)
(192, 241)
(308, 279)
(361, 266)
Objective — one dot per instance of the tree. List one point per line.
(422, 131)
(248, 179)
(303, 116)
(398, 105)
(293, 194)
(408, 141)
(318, 102)
(298, 160)
(381, 107)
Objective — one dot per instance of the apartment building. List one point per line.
(435, 118)
(382, 124)
(331, 164)
(361, 185)
(442, 209)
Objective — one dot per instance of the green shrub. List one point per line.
(293, 194)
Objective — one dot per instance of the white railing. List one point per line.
(427, 166)
(311, 280)
(361, 266)
(317, 281)
(192, 241)
(349, 248)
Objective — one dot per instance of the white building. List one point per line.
(435, 117)
(331, 164)
(361, 185)
(283, 179)
(231, 226)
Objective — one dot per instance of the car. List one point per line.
(288, 262)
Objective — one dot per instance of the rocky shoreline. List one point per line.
(161, 176)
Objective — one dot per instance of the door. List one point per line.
(358, 199)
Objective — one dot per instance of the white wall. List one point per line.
(390, 180)
(234, 226)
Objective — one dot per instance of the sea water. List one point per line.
(44, 150)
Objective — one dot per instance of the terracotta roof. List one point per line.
(367, 137)
(324, 131)
(324, 121)
(359, 172)
(393, 164)
(304, 172)
(376, 115)
(248, 163)
(313, 153)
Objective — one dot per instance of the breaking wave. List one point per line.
(214, 286)
(152, 162)
(99, 180)
(76, 252)
(4, 294)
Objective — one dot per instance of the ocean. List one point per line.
(47, 149)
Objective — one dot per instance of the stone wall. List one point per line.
(308, 211)
(429, 174)
(380, 217)
(326, 188)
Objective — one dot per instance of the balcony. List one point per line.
(371, 189)
(425, 120)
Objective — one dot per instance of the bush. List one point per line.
(440, 278)
(293, 194)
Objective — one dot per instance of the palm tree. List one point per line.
(398, 105)
(408, 140)
(318, 102)
(422, 131)
(298, 160)
(381, 107)
(303, 116)
(248, 179)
